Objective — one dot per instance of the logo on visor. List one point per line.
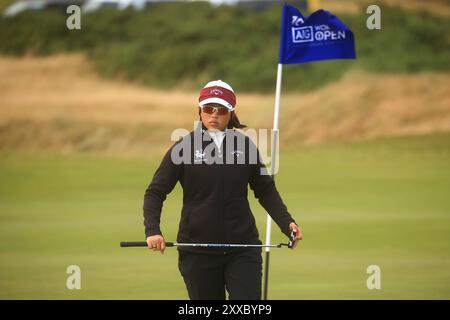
(216, 92)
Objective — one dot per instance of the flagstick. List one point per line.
(272, 170)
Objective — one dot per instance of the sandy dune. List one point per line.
(60, 103)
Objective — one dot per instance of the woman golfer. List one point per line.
(215, 164)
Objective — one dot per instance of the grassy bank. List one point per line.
(185, 44)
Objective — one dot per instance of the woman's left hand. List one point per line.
(298, 233)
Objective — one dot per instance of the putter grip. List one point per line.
(291, 239)
(125, 244)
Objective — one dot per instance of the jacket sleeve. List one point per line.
(263, 186)
(166, 177)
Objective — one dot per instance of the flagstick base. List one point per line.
(266, 275)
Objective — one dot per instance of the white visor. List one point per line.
(216, 100)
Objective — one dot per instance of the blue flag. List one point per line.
(321, 36)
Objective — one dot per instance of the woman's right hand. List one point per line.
(156, 243)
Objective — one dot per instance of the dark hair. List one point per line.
(233, 123)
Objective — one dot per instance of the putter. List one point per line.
(290, 244)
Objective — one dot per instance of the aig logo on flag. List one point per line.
(320, 36)
(303, 34)
(323, 33)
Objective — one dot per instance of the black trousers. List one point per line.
(207, 275)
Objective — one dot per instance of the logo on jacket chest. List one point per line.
(199, 156)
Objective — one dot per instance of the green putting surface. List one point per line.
(384, 202)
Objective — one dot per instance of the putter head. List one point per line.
(291, 239)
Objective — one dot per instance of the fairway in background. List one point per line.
(381, 202)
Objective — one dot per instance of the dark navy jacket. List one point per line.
(215, 205)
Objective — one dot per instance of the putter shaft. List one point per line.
(202, 245)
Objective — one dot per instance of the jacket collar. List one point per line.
(206, 141)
